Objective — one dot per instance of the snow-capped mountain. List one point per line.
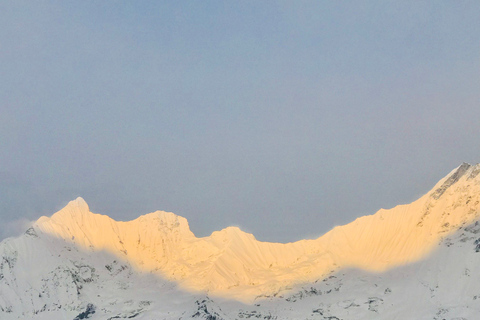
(415, 261)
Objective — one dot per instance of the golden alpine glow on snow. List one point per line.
(233, 264)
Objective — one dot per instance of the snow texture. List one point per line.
(415, 261)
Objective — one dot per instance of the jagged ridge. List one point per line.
(80, 264)
(233, 263)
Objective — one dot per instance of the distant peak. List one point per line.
(229, 230)
(168, 218)
(232, 232)
(77, 207)
(80, 203)
(465, 165)
(233, 229)
(454, 177)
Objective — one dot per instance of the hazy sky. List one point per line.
(284, 118)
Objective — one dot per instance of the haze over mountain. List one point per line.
(78, 264)
(267, 115)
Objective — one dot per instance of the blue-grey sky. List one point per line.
(285, 118)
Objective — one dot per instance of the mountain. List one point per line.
(413, 261)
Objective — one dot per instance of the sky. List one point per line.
(284, 118)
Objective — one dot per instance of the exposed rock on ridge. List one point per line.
(453, 178)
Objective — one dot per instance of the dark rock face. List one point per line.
(451, 180)
(203, 312)
(87, 313)
(474, 173)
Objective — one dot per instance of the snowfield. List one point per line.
(415, 261)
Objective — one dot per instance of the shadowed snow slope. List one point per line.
(65, 260)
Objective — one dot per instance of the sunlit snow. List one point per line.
(76, 257)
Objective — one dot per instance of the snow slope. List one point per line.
(80, 264)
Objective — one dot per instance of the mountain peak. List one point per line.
(167, 221)
(75, 208)
(464, 170)
(232, 232)
(80, 203)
